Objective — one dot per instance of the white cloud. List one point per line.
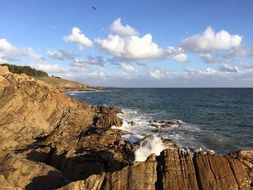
(129, 68)
(47, 67)
(195, 73)
(142, 48)
(9, 52)
(208, 58)
(228, 56)
(5, 46)
(135, 48)
(29, 52)
(210, 41)
(114, 45)
(98, 74)
(118, 28)
(89, 60)
(158, 74)
(78, 38)
(61, 54)
(127, 46)
(229, 69)
(181, 57)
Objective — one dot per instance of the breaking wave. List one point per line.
(138, 126)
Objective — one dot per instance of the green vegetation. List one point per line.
(26, 70)
(55, 81)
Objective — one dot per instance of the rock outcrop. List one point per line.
(50, 141)
(20, 173)
(65, 85)
(174, 169)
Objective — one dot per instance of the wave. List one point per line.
(139, 126)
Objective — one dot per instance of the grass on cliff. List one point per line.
(57, 82)
(26, 70)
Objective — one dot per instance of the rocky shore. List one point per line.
(51, 141)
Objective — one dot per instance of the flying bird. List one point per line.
(94, 8)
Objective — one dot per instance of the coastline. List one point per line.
(66, 144)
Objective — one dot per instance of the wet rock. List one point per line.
(132, 123)
(165, 123)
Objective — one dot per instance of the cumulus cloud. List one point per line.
(61, 54)
(158, 74)
(208, 58)
(127, 45)
(129, 68)
(229, 69)
(78, 38)
(9, 52)
(210, 41)
(5, 46)
(227, 56)
(99, 73)
(181, 57)
(47, 67)
(29, 52)
(89, 60)
(135, 48)
(114, 45)
(191, 73)
(118, 28)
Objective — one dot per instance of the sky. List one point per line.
(144, 43)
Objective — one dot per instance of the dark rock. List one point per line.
(132, 123)
(165, 123)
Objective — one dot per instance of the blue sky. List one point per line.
(162, 43)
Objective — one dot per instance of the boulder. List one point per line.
(107, 117)
(19, 173)
(166, 123)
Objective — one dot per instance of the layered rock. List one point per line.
(174, 169)
(31, 108)
(49, 141)
(20, 173)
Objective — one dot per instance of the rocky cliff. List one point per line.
(65, 85)
(50, 141)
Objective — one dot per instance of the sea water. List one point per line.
(219, 119)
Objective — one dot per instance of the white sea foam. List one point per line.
(149, 146)
(137, 127)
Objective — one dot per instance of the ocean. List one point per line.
(217, 119)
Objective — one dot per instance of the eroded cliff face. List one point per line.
(30, 109)
(50, 141)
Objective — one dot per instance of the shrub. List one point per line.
(26, 70)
